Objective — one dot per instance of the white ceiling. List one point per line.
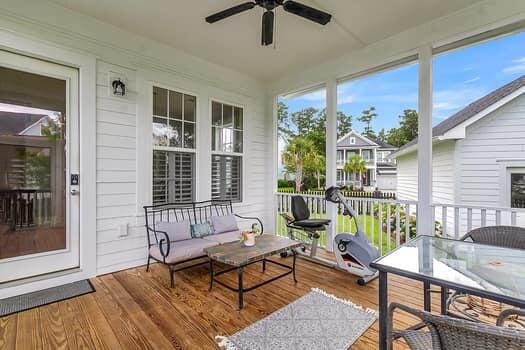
(235, 42)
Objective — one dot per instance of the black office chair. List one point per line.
(301, 221)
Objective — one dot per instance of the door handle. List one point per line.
(75, 192)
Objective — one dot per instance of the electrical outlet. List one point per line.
(123, 230)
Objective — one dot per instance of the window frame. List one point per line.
(234, 154)
(511, 171)
(193, 151)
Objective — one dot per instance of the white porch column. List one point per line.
(272, 107)
(424, 146)
(331, 155)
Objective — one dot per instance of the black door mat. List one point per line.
(28, 301)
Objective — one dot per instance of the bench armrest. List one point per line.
(162, 241)
(252, 218)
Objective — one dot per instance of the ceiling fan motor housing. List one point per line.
(267, 28)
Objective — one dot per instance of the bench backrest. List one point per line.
(195, 212)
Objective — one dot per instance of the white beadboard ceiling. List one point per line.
(235, 42)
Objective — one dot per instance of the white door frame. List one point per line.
(22, 266)
(86, 64)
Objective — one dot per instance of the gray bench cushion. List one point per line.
(183, 250)
(224, 224)
(225, 237)
(176, 231)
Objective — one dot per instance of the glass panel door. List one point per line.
(38, 133)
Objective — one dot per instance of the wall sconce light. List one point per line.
(119, 88)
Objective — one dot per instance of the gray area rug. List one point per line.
(317, 320)
(43, 297)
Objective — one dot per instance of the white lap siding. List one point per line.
(118, 176)
(492, 144)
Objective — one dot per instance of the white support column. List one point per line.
(272, 107)
(424, 146)
(331, 155)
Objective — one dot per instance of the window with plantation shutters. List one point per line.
(173, 177)
(174, 130)
(227, 151)
(226, 177)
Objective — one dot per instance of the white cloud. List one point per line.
(448, 102)
(470, 81)
(518, 66)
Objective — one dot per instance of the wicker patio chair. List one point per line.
(500, 236)
(448, 333)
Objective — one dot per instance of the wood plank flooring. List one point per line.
(135, 309)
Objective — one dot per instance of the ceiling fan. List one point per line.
(294, 7)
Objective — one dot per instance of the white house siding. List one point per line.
(119, 178)
(407, 177)
(491, 144)
(442, 173)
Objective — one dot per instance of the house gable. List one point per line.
(360, 141)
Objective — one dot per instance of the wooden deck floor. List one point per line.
(135, 309)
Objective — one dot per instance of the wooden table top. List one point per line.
(236, 254)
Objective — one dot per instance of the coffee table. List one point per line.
(239, 256)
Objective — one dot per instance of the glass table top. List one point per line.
(492, 269)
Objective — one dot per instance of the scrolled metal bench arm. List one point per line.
(251, 218)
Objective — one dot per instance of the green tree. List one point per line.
(316, 164)
(299, 150)
(344, 122)
(355, 166)
(407, 130)
(283, 121)
(367, 116)
(382, 135)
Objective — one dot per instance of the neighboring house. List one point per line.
(381, 170)
(478, 154)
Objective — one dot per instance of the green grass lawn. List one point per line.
(343, 225)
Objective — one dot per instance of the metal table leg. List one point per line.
(383, 310)
(427, 302)
(293, 265)
(211, 275)
(444, 301)
(241, 289)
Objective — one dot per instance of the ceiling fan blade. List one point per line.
(267, 28)
(230, 12)
(307, 12)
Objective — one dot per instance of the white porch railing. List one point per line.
(383, 220)
(457, 220)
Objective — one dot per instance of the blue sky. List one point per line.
(460, 77)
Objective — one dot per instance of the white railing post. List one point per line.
(424, 215)
(331, 156)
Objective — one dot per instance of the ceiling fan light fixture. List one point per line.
(267, 28)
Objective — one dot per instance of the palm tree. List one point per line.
(355, 165)
(317, 165)
(298, 151)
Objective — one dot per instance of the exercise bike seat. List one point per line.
(312, 223)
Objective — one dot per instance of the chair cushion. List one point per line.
(183, 250)
(225, 237)
(177, 231)
(201, 230)
(225, 223)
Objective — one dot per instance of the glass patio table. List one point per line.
(490, 272)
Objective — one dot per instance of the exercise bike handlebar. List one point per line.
(334, 195)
